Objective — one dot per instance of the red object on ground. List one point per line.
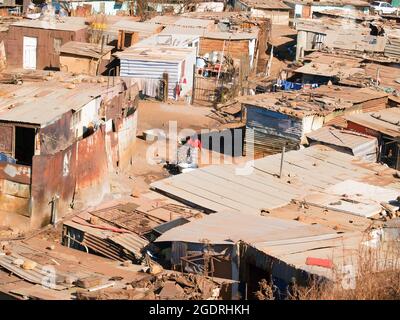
(194, 143)
(325, 263)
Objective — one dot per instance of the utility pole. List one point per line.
(282, 156)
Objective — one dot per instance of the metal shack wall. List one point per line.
(150, 72)
(91, 170)
(52, 175)
(267, 131)
(56, 136)
(46, 56)
(6, 138)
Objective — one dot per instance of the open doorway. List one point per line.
(24, 145)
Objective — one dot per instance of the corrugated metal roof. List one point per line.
(170, 39)
(266, 4)
(85, 49)
(141, 27)
(386, 121)
(342, 250)
(296, 103)
(130, 241)
(222, 35)
(288, 241)
(41, 102)
(358, 143)
(65, 23)
(231, 187)
(356, 198)
(155, 53)
(230, 227)
(328, 70)
(36, 275)
(182, 21)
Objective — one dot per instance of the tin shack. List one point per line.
(59, 136)
(35, 44)
(283, 118)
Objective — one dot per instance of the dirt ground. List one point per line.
(157, 115)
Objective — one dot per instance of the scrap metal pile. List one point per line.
(165, 286)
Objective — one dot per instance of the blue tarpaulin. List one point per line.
(6, 158)
(287, 85)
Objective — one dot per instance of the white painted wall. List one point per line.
(88, 114)
(311, 123)
(110, 7)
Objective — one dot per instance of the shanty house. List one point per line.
(320, 68)
(85, 58)
(158, 67)
(166, 38)
(384, 125)
(35, 44)
(314, 34)
(243, 44)
(276, 11)
(60, 135)
(127, 32)
(265, 229)
(283, 118)
(306, 8)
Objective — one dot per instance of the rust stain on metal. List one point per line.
(6, 138)
(92, 182)
(52, 175)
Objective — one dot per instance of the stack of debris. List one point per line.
(88, 232)
(166, 286)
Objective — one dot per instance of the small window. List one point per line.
(57, 45)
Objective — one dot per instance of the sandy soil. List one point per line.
(157, 115)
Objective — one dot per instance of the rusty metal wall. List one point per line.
(113, 107)
(15, 172)
(92, 172)
(52, 175)
(56, 136)
(47, 57)
(112, 150)
(6, 138)
(15, 188)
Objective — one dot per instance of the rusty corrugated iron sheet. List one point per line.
(52, 175)
(15, 172)
(6, 138)
(57, 135)
(116, 246)
(92, 180)
(112, 149)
